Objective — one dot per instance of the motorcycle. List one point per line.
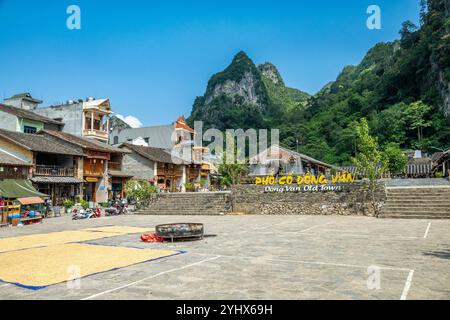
(117, 208)
(86, 214)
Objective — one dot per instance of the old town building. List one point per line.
(95, 166)
(26, 121)
(85, 118)
(52, 165)
(277, 160)
(160, 143)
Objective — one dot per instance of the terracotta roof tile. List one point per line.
(27, 114)
(154, 154)
(85, 143)
(39, 143)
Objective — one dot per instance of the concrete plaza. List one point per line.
(266, 257)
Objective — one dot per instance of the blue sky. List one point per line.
(152, 58)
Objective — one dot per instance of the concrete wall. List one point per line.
(8, 121)
(20, 103)
(158, 136)
(138, 166)
(51, 126)
(72, 116)
(353, 200)
(102, 190)
(29, 123)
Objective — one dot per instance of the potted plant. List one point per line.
(68, 205)
(189, 187)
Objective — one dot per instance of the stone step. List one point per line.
(419, 190)
(415, 201)
(417, 213)
(417, 205)
(414, 197)
(183, 204)
(182, 210)
(405, 216)
(189, 204)
(200, 196)
(177, 213)
(420, 193)
(442, 210)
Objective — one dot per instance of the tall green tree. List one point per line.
(394, 158)
(231, 170)
(416, 115)
(369, 160)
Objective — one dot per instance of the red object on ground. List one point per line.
(151, 238)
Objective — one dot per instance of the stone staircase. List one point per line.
(417, 203)
(189, 203)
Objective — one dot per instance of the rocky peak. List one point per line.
(240, 78)
(118, 124)
(269, 71)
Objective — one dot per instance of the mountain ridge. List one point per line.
(390, 78)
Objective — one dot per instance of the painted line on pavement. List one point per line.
(407, 285)
(333, 264)
(427, 231)
(150, 277)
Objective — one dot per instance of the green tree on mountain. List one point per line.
(369, 160)
(394, 158)
(416, 114)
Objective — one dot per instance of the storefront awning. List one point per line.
(90, 179)
(30, 200)
(119, 174)
(15, 188)
(55, 180)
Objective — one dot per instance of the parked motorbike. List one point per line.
(117, 208)
(86, 214)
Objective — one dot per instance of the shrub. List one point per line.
(189, 186)
(84, 204)
(68, 204)
(104, 204)
(439, 174)
(140, 191)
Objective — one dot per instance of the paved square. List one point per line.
(266, 257)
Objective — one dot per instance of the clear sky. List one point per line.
(152, 58)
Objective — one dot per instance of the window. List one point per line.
(147, 140)
(27, 129)
(116, 140)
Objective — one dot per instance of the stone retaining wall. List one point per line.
(353, 200)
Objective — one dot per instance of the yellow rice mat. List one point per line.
(48, 239)
(40, 267)
(121, 229)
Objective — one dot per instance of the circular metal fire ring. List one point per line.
(180, 231)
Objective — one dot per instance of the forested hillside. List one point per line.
(401, 87)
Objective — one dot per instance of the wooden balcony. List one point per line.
(114, 166)
(170, 172)
(54, 171)
(10, 172)
(93, 133)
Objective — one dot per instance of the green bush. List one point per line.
(439, 174)
(189, 186)
(84, 204)
(140, 191)
(104, 204)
